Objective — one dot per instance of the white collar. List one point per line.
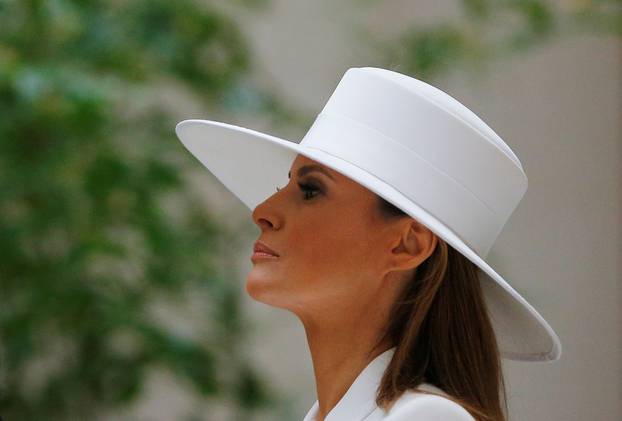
(359, 400)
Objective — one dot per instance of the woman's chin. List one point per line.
(259, 288)
(267, 291)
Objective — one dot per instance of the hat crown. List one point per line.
(425, 144)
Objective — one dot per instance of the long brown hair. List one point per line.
(443, 335)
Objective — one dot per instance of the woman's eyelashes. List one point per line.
(307, 188)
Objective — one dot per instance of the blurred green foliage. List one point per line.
(491, 30)
(97, 227)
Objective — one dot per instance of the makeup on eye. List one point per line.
(310, 185)
(308, 188)
(307, 169)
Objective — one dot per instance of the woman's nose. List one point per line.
(263, 216)
(270, 212)
(264, 223)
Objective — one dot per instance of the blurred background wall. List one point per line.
(555, 99)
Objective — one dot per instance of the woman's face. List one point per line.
(334, 248)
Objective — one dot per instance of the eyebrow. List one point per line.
(305, 169)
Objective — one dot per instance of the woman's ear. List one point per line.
(414, 245)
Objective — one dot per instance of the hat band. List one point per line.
(410, 174)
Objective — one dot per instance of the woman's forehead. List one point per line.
(306, 165)
(302, 160)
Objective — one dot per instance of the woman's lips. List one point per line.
(262, 251)
(263, 248)
(258, 255)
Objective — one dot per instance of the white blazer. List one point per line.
(359, 404)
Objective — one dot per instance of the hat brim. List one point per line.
(252, 164)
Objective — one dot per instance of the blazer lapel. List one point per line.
(358, 403)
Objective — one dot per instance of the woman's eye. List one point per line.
(306, 188)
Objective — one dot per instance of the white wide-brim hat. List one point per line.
(418, 148)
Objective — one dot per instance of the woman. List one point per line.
(376, 241)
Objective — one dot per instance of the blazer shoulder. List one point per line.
(413, 405)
